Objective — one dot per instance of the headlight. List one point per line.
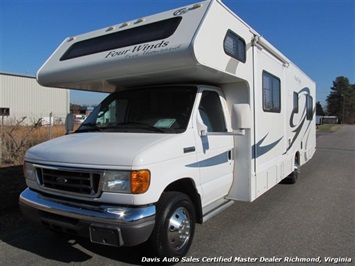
(29, 171)
(135, 182)
(117, 181)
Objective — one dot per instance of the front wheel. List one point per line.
(174, 227)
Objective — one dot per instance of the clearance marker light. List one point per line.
(139, 20)
(196, 6)
(110, 28)
(124, 24)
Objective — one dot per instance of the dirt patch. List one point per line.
(12, 183)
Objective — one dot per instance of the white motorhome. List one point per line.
(203, 112)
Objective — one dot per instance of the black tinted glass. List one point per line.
(146, 33)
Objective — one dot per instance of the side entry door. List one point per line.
(214, 152)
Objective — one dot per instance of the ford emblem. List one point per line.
(61, 180)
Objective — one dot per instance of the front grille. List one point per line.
(74, 181)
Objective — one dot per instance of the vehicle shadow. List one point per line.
(17, 231)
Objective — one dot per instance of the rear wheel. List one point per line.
(175, 225)
(292, 178)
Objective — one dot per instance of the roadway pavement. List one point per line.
(312, 220)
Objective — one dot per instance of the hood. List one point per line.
(95, 149)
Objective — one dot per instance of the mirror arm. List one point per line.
(239, 132)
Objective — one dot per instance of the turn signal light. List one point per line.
(140, 181)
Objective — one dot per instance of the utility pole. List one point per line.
(3, 112)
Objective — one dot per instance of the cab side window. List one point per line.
(211, 112)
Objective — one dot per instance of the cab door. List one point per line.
(214, 149)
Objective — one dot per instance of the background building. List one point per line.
(21, 96)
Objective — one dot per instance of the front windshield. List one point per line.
(158, 109)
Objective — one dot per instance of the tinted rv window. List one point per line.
(146, 33)
(295, 102)
(309, 106)
(234, 46)
(271, 93)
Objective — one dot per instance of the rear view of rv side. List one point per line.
(203, 111)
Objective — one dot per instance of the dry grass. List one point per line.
(18, 138)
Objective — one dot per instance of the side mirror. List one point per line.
(242, 118)
(69, 123)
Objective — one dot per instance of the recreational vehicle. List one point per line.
(202, 112)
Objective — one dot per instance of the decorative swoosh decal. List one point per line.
(215, 160)
(297, 128)
(297, 132)
(261, 150)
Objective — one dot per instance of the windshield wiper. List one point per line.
(89, 127)
(139, 125)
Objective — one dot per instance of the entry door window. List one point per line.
(211, 112)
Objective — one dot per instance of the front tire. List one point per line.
(174, 227)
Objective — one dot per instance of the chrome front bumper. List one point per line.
(128, 226)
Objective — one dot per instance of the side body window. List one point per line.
(271, 93)
(235, 46)
(295, 102)
(309, 107)
(211, 112)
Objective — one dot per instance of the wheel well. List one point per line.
(187, 186)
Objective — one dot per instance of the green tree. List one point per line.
(319, 109)
(341, 100)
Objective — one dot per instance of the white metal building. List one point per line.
(21, 95)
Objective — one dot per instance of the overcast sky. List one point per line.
(317, 35)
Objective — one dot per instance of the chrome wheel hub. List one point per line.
(179, 229)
